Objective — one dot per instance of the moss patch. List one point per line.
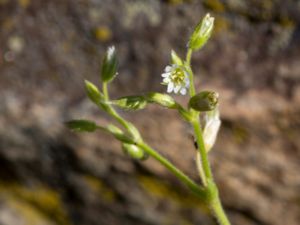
(35, 203)
(100, 188)
(162, 190)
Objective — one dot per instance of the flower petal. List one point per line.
(166, 80)
(183, 91)
(170, 87)
(166, 74)
(176, 89)
(168, 69)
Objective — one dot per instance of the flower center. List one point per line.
(178, 77)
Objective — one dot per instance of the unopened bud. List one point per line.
(201, 33)
(176, 59)
(131, 102)
(204, 101)
(119, 134)
(162, 99)
(134, 132)
(134, 151)
(109, 65)
(95, 95)
(82, 125)
(93, 92)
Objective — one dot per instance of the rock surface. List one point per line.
(49, 175)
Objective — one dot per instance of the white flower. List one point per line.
(211, 128)
(176, 78)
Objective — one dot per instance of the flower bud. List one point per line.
(131, 102)
(109, 65)
(162, 99)
(201, 33)
(93, 92)
(204, 101)
(176, 59)
(135, 134)
(82, 125)
(119, 134)
(134, 151)
(95, 95)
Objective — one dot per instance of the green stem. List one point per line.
(190, 72)
(202, 150)
(105, 91)
(204, 169)
(200, 169)
(200, 192)
(219, 212)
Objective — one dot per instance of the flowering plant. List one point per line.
(179, 78)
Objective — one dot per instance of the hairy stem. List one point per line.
(200, 169)
(192, 90)
(204, 167)
(202, 150)
(219, 213)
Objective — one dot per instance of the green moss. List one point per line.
(100, 188)
(221, 24)
(164, 191)
(286, 22)
(175, 2)
(28, 212)
(215, 5)
(3, 2)
(240, 134)
(24, 3)
(103, 33)
(35, 202)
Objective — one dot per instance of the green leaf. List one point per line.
(162, 99)
(82, 125)
(109, 65)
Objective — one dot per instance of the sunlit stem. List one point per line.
(105, 91)
(202, 157)
(200, 169)
(192, 91)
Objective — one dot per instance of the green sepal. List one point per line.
(134, 151)
(82, 125)
(109, 65)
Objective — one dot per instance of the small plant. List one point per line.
(201, 113)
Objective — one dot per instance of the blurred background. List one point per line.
(51, 176)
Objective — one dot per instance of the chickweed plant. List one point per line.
(201, 113)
